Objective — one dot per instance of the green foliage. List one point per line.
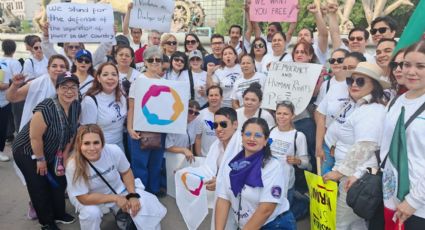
(233, 14)
(26, 26)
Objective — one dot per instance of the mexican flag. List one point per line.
(415, 27)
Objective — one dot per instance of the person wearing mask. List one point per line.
(105, 105)
(383, 27)
(83, 69)
(217, 46)
(258, 51)
(199, 77)
(358, 138)
(251, 188)
(249, 76)
(42, 148)
(36, 65)
(278, 52)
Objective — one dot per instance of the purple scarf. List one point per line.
(246, 171)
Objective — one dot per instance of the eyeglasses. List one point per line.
(36, 48)
(259, 46)
(172, 43)
(68, 88)
(360, 81)
(193, 112)
(84, 60)
(394, 65)
(195, 59)
(73, 47)
(285, 102)
(257, 135)
(222, 124)
(176, 59)
(190, 42)
(151, 60)
(336, 60)
(381, 30)
(359, 39)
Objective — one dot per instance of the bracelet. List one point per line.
(132, 195)
(42, 158)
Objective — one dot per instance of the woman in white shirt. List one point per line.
(199, 77)
(278, 52)
(249, 76)
(252, 189)
(124, 58)
(83, 68)
(178, 67)
(226, 75)
(358, 138)
(258, 51)
(36, 64)
(105, 105)
(252, 97)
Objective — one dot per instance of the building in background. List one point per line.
(213, 10)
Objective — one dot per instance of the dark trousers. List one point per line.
(48, 202)
(414, 223)
(4, 120)
(17, 109)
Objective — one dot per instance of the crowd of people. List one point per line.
(71, 115)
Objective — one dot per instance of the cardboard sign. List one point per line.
(273, 10)
(151, 14)
(71, 22)
(290, 81)
(160, 106)
(322, 202)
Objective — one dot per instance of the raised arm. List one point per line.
(333, 25)
(321, 27)
(126, 21)
(16, 93)
(249, 27)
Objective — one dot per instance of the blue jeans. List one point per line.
(146, 164)
(299, 204)
(284, 221)
(329, 163)
(308, 127)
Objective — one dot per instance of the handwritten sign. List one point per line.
(290, 81)
(151, 14)
(273, 10)
(322, 202)
(71, 22)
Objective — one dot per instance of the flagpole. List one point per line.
(243, 21)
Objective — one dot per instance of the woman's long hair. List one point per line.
(266, 131)
(81, 166)
(96, 87)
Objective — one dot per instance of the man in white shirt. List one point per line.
(134, 35)
(235, 34)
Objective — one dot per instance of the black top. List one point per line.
(55, 130)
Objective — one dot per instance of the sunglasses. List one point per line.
(222, 124)
(360, 81)
(193, 112)
(171, 43)
(36, 48)
(190, 42)
(151, 60)
(83, 60)
(359, 39)
(381, 30)
(176, 59)
(195, 59)
(73, 47)
(394, 65)
(285, 102)
(259, 46)
(257, 135)
(336, 60)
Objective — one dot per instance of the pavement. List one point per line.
(14, 205)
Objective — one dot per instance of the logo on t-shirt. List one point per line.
(209, 124)
(276, 191)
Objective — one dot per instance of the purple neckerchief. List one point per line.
(246, 171)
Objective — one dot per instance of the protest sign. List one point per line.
(160, 106)
(290, 81)
(322, 202)
(273, 10)
(72, 22)
(150, 14)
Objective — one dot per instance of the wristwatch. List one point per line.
(132, 195)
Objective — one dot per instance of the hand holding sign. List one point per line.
(273, 10)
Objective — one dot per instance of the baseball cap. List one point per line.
(195, 53)
(83, 53)
(67, 76)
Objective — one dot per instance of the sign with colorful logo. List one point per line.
(160, 106)
(322, 202)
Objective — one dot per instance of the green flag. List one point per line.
(398, 157)
(414, 29)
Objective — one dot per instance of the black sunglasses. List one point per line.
(151, 60)
(360, 81)
(193, 112)
(337, 60)
(359, 39)
(176, 59)
(381, 30)
(171, 43)
(83, 60)
(222, 124)
(36, 48)
(192, 42)
(394, 65)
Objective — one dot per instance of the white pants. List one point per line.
(346, 219)
(148, 218)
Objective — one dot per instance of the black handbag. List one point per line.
(122, 219)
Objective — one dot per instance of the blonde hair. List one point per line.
(164, 39)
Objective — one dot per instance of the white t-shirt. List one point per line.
(35, 68)
(132, 92)
(183, 76)
(324, 88)
(369, 57)
(205, 128)
(226, 78)
(264, 114)
(133, 45)
(108, 114)
(415, 134)
(259, 66)
(322, 57)
(200, 80)
(269, 58)
(86, 85)
(272, 192)
(364, 124)
(241, 84)
(111, 163)
(282, 145)
(182, 140)
(3, 101)
(333, 101)
(10, 67)
(132, 78)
